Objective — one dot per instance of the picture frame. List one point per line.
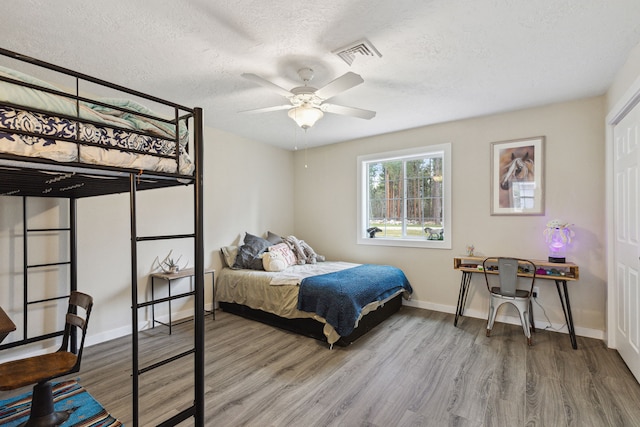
(517, 176)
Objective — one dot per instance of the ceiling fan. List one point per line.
(307, 104)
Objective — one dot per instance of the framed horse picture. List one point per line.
(517, 177)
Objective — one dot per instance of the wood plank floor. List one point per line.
(415, 369)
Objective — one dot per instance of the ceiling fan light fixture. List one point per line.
(305, 116)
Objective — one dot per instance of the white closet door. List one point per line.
(626, 157)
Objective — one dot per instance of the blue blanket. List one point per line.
(339, 297)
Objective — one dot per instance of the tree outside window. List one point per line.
(403, 197)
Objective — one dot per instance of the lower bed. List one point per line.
(336, 302)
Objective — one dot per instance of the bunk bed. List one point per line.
(65, 144)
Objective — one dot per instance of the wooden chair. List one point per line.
(507, 291)
(39, 370)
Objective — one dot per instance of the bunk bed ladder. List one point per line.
(197, 409)
(27, 267)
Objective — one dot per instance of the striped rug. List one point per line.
(67, 396)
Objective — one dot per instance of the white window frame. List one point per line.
(363, 193)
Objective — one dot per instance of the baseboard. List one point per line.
(176, 316)
(478, 314)
(108, 335)
(146, 324)
(93, 339)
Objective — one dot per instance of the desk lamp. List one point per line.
(558, 235)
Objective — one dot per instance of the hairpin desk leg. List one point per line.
(563, 293)
(462, 295)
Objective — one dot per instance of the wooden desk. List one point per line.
(566, 272)
(169, 277)
(6, 325)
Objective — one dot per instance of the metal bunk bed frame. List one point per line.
(32, 172)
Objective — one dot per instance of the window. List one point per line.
(404, 198)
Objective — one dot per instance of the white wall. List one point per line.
(248, 186)
(325, 212)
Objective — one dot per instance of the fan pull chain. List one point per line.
(306, 145)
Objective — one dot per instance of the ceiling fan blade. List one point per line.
(267, 109)
(266, 83)
(348, 111)
(342, 83)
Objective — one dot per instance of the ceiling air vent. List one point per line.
(361, 47)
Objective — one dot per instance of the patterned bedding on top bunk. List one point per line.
(111, 128)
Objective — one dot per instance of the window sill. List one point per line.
(407, 243)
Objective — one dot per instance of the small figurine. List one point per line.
(470, 249)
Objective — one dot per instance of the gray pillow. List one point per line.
(274, 238)
(249, 253)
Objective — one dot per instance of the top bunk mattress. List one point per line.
(38, 121)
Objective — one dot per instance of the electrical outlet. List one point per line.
(536, 290)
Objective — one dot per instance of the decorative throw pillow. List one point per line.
(273, 261)
(285, 251)
(249, 253)
(229, 254)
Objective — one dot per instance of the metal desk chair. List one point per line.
(39, 370)
(507, 291)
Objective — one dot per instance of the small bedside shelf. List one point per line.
(169, 277)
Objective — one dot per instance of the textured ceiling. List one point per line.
(442, 60)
